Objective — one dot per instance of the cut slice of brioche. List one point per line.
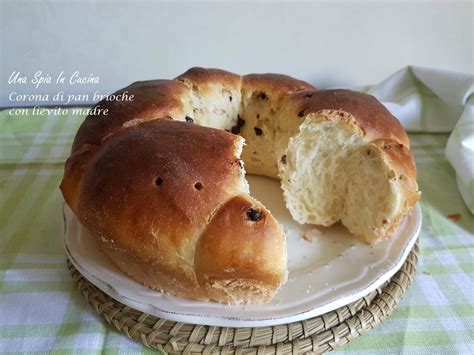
(331, 173)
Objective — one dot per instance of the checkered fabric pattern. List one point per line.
(42, 311)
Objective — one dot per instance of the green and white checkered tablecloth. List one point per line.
(42, 311)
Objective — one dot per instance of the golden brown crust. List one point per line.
(148, 207)
(74, 170)
(177, 281)
(203, 76)
(233, 246)
(154, 99)
(274, 85)
(237, 260)
(152, 200)
(236, 250)
(375, 121)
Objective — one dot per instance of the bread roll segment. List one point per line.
(348, 162)
(161, 184)
(240, 258)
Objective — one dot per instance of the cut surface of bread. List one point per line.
(331, 174)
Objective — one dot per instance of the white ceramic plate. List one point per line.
(327, 269)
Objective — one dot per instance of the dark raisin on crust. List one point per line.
(283, 159)
(189, 119)
(301, 113)
(258, 131)
(254, 215)
(240, 123)
(158, 181)
(258, 115)
(307, 96)
(198, 186)
(262, 96)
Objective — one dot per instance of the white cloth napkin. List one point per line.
(436, 101)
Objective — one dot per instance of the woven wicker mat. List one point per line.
(315, 335)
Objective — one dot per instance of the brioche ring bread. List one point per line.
(160, 181)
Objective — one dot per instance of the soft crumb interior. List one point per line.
(258, 129)
(217, 111)
(330, 176)
(326, 170)
(371, 198)
(243, 184)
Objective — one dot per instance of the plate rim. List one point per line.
(240, 322)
